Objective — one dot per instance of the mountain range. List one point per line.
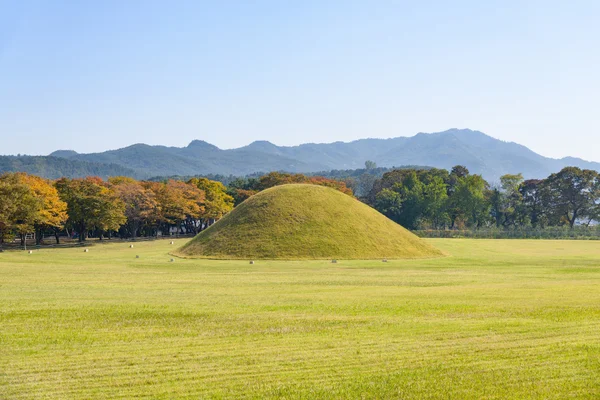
(477, 151)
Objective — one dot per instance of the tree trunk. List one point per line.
(83, 232)
(135, 226)
(573, 220)
(452, 221)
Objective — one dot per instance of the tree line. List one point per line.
(415, 198)
(122, 206)
(118, 206)
(242, 188)
(440, 199)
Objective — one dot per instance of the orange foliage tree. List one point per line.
(140, 203)
(33, 203)
(178, 203)
(52, 212)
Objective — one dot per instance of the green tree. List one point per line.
(389, 203)
(454, 209)
(573, 194)
(420, 197)
(413, 207)
(534, 193)
(469, 201)
(404, 201)
(91, 205)
(435, 197)
(364, 184)
(506, 202)
(369, 165)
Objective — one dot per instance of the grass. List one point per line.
(303, 221)
(495, 320)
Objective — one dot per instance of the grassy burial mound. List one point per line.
(303, 221)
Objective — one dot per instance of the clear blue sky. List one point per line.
(97, 75)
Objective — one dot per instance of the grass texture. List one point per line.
(302, 221)
(495, 320)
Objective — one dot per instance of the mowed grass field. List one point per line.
(494, 320)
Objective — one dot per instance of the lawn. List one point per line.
(494, 320)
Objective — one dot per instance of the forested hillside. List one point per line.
(56, 167)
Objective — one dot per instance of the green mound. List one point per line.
(305, 222)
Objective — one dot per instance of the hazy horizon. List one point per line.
(92, 77)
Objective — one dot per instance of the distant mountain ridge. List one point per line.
(479, 152)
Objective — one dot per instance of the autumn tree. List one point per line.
(19, 208)
(279, 178)
(139, 202)
(332, 183)
(7, 210)
(91, 204)
(240, 195)
(38, 206)
(52, 212)
(217, 201)
(240, 189)
(178, 203)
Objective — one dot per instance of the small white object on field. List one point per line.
(172, 242)
(131, 246)
(85, 250)
(30, 252)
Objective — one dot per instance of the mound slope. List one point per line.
(301, 221)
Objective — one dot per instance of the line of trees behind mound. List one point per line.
(437, 199)
(418, 199)
(121, 206)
